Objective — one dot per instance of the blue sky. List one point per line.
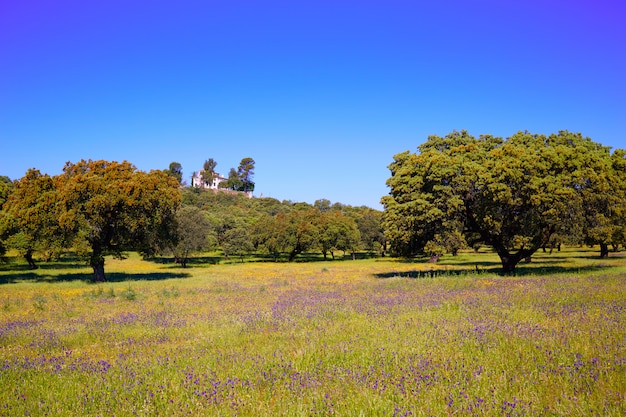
(321, 94)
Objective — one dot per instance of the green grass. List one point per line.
(373, 337)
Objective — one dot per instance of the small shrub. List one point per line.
(170, 292)
(39, 302)
(129, 294)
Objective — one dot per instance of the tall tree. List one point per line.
(176, 171)
(511, 194)
(112, 207)
(233, 182)
(209, 173)
(246, 173)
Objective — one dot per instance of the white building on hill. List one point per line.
(197, 181)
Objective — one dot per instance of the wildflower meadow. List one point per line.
(373, 337)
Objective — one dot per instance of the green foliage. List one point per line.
(208, 173)
(113, 208)
(129, 294)
(100, 293)
(271, 225)
(6, 187)
(233, 182)
(294, 232)
(39, 302)
(322, 205)
(336, 232)
(245, 173)
(369, 222)
(31, 218)
(512, 194)
(237, 241)
(176, 171)
(192, 233)
(240, 179)
(605, 205)
(101, 208)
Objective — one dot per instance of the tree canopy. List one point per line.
(208, 173)
(112, 207)
(246, 173)
(192, 234)
(6, 188)
(176, 171)
(511, 194)
(30, 220)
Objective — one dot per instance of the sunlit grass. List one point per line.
(369, 337)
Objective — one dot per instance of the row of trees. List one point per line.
(238, 225)
(100, 208)
(516, 195)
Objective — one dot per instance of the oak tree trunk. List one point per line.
(604, 250)
(29, 258)
(98, 271)
(508, 264)
(97, 263)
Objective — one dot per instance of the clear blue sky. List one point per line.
(320, 93)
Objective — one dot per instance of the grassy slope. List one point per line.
(371, 337)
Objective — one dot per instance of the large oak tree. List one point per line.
(111, 207)
(511, 194)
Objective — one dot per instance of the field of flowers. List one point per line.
(376, 337)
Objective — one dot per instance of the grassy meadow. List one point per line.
(373, 337)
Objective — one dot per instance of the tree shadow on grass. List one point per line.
(194, 260)
(520, 271)
(31, 276)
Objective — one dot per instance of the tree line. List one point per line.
(516, 195)
(100, 208)
(238, 226)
